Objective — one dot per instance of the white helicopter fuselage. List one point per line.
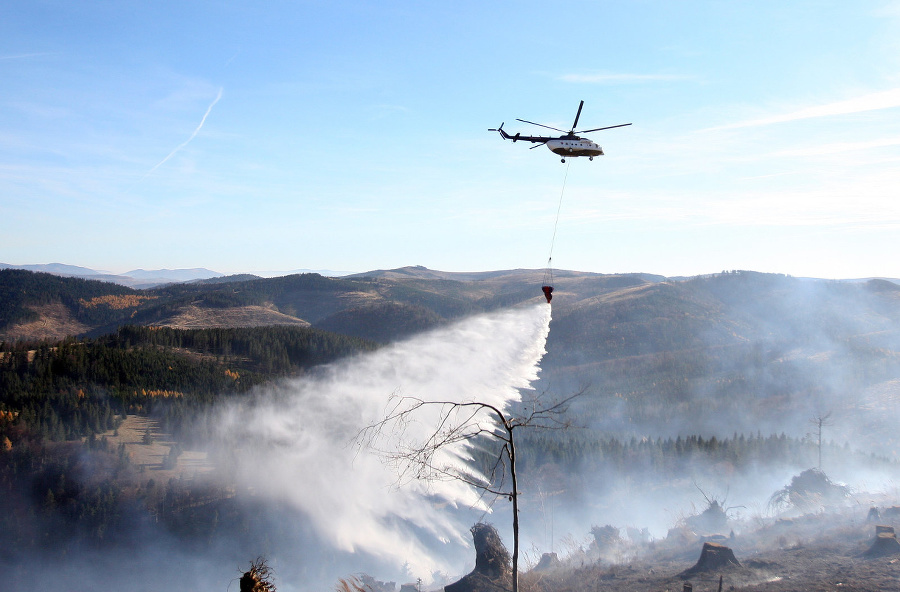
(574, 147)
(569, 144)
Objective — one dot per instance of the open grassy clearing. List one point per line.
(149, 458)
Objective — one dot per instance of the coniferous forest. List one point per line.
(58, 399)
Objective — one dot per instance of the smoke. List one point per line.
(293, 443)
(760, 362)
(755, 355)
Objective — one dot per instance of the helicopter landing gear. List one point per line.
(590, 158)
(562, 160)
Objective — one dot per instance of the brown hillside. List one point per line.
(194, 317)
(55, 323)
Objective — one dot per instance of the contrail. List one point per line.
(186, 142)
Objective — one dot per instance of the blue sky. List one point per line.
(353, 135)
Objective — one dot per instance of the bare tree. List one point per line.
(820, 421)
(460, 424)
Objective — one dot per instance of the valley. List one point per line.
(176, 412)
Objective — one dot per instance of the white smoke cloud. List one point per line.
(294, 443)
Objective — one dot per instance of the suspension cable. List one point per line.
(548, 278)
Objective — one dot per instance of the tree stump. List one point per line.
(492, 572)
(548, 562)
(713, 557)
(885, 543)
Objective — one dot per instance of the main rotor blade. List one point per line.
(540, 125)
(597, 129)
(577, 115)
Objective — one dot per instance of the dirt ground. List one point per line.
(810, 553)
(148, 458)
(55, 323)
(194, 317)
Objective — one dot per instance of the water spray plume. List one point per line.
(292, 443)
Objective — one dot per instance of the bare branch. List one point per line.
(460, 425)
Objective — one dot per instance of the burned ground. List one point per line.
(825, 551)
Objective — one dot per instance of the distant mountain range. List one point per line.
(137, 278)
(55, 268)
(143, 278)
(174, 275)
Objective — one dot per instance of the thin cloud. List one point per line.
(619, 78)
(887, 99)
(385, 110)
(22, 56)
(186, 142)
(839, 147)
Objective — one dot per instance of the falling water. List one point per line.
(294, 443)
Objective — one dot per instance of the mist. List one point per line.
(756, 355)
(320, 504)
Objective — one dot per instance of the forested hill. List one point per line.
(738, 350)
(380, 305)
(74, 387)
(597, 318)
(23, 295)
(716, 352)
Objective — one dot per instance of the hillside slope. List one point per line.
(739, 350)
(381, 305)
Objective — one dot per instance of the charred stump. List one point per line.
(492, 572)
(549, 561)
(713, 557)
(885, 543)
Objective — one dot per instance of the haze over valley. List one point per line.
(216, 420)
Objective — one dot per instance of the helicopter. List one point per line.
(565, 145)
